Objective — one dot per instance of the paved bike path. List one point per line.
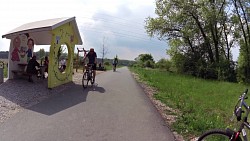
(114, 110)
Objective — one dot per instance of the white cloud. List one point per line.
(120, 21)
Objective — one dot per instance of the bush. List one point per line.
(107, 64)
(149, 64)
(164, 64)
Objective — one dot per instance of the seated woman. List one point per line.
(46, 65)
(63, 65)
(33, 68)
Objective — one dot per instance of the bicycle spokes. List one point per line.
(85, 80)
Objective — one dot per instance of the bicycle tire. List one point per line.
(216, 135)
(92, 77)
(85, 80)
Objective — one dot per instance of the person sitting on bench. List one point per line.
(46, 65)
(33, 68)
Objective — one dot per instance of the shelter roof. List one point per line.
(41, 30)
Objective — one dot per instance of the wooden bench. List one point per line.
(23, 74)
(20, 73)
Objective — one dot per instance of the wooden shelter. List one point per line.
(53, 32)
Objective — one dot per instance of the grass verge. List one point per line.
(203, 104)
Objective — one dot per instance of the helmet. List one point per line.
(91, 49)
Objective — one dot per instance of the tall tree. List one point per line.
(241, 8)
(41, 53)
(145, 60)
(197, 32)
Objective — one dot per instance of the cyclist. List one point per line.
(92, 57)
(115, 62)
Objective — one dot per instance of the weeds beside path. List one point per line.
(167, 113)
(202, 104)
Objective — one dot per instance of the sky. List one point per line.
(118, 25)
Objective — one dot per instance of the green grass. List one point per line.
(5, 70)
(203, 104)
(108, 67)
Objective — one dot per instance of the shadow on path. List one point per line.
(66, 99)
(18, 93)
(96, 88)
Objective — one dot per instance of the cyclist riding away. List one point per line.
(115, 62)
(92, 57)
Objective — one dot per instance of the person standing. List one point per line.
(115, 62)
(29, 52)
(46, 65)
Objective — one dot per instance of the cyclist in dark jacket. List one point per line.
(115, 62)
(92, 57)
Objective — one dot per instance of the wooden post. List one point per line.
(77, 58)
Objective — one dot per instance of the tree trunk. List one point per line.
(244, 35)
(207, 43)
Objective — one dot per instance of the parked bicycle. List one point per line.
(88, 76)
(229, 134)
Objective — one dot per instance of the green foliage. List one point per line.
(164, 64)
(148, 64)
(202, 104)
(201, 36)
(62, 52)
(243, 72)
(107, 63)
(145, 57)
(178, 62)
(227, 71)
(41, 53)
(108, 67)
(144, 60)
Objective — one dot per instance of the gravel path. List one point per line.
(19, 93)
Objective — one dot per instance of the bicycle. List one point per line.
(229, 134)
(88, 76)
(114, 67)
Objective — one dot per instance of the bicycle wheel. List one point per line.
(92, 78)
(85, 80)
(216, 135)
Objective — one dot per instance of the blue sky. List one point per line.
(116, 24)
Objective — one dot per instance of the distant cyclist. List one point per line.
(92, 57)
(115, 62)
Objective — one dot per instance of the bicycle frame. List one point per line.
(89, 71)
(244, 121)
(230, 134)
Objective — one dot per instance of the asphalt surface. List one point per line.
(114, 110)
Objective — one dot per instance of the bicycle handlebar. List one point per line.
(238, 111)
